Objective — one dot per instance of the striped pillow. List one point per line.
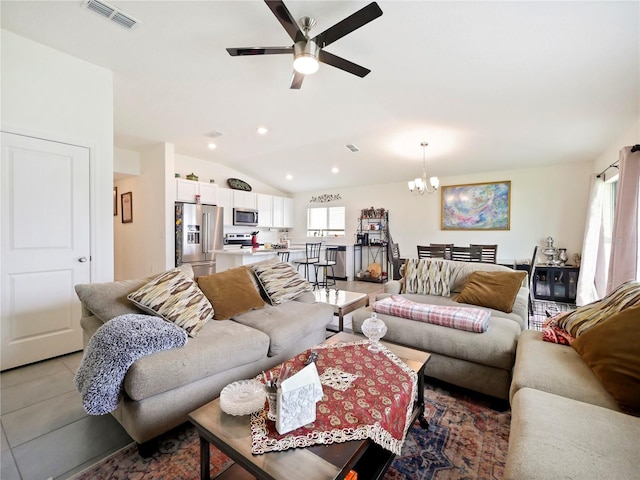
(427, 277)
(176, 298)
(584, 318)
(281, 282)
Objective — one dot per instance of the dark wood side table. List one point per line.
(232, 435)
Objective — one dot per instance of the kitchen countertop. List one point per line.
(257, 251)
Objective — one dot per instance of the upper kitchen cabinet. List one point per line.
(282, 212)
(242, 199)
(265, 210)
(188, 190)
(225, 200)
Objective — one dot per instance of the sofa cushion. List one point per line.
(175, 297)
(281, 282)
(220, 346)
(231, 292)
(109, 300)
(612, 351)
(461, 271)
(553, 437)
(495, 290)
(556, 369)
(286, 324)
(429, 277)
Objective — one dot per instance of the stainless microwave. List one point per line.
(245, 217)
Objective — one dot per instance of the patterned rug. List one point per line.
(467, 439)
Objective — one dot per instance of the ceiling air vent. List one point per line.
(112, 13)
(215, 134)
(352, 147)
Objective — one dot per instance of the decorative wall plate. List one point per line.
(237, 184)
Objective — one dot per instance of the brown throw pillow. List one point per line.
(612, 351)
(231, 292)
(497, 290)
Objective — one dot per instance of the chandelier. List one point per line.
(419, 186)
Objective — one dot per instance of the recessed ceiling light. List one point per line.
(212, 146)
(335, 170)
(262, 130)
(289, 176)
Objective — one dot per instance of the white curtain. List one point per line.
(592, 281)
(623, 265)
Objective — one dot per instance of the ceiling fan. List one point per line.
(307, 52)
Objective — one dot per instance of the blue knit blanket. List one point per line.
(113, 349)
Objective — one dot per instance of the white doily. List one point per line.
(337, 379)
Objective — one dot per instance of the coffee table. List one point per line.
(343, 302)
(232, 435)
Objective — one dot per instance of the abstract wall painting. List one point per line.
(476, 206)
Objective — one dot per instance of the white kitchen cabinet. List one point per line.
(265, 210)
(188, 190)
(278, 212)
(288, 212)
(242, 199)
(225, 200)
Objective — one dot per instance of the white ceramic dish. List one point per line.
(242, 397)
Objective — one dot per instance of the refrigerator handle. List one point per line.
(205, 232)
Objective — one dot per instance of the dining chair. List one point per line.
(461, 254)
(312, 256)
(427, 251)
(532, 268)
(331, 254)
(445, 246)
(395, 260)
(486, 253)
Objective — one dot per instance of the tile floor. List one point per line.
(46, 433)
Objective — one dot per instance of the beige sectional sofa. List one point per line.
(479, 361)
(564, 423)
(160, 389)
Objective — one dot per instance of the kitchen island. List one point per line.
(237, 257)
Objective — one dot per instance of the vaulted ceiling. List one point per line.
(490, 85)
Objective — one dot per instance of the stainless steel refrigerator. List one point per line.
(199, 231)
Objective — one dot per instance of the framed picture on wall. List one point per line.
(476, 206)
(126, 201)
(115, 201)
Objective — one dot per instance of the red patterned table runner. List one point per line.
(378, 404)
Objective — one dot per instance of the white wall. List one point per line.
(143, 246)
(51, 95)
(545, 201)
(629, 137)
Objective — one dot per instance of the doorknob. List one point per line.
(82, 259)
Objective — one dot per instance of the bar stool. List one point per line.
(312, 257)
(284, 256)
(331, 254)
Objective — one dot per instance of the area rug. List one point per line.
(467, 439)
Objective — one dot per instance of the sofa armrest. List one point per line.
(306, 297)
(393, 286)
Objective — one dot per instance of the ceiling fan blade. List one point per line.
(296, 80)
(348, 25)
(286, 20)
(342, 64)
(240, 51)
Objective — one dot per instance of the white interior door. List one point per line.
(45, 247)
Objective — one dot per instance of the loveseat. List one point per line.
(479, 361)
(565, 422)
(160, 389)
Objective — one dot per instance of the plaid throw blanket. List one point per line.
(462, 318)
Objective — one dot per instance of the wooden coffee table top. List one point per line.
(232, 435)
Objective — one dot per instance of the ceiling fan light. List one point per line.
(306, 64)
